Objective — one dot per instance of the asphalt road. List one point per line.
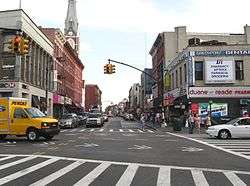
(119, 154)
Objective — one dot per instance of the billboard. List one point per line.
(219, 70)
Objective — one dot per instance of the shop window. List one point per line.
(198, 70)
(239, 72)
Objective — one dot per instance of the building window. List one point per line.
(176, 78)
(180, 75)
(185, 73)
(239, 72)
(198, 70)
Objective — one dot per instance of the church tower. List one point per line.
(71, 26)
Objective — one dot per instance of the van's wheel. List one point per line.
(32, 135)
(224, 134)
(3, 136)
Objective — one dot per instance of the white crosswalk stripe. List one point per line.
(239, 146)
(109, 130)
(165, 177)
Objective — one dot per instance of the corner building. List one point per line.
(210, 74)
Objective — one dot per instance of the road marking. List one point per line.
(150, 131)
(87, 145)
(101, 130)
(191, 149)
(246, 153)
(210, 145)
(73, 130)
(234, 179)
(140, 131)
(199, 178)
(111, 130)
(238, 150)
(26, 171)
(140, 147)
(92, 130)
(164, 176)
(228, 147)
(6, 158)
(57, 174)
(17, 162)
(127, 177)
(130, 130)
(93, 175)
(82, 130)
(120, 130)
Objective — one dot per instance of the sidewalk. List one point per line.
(184, 131)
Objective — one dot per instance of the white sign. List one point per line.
(219, 92)
(219, 70)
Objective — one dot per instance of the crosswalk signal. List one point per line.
(16, 44)
(24, 46)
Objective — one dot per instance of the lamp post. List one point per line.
(210, 109)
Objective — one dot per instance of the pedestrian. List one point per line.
(197, 123)
(143, 120)
(191, 122)
(208, 120)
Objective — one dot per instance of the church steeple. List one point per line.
(71, 25)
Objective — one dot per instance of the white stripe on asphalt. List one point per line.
(240, 150)
(127, 177)
(164, 176)
(230, 143)
(26, 171)
(57, 174)
(140, 131)
(62, 130)
(234, 179)
(88, 179)
(82, 130)
(130, 130)
(120, 130)
(17, 162)
(246, 153)
(101, 130)
(210, 145)
(111, 130)
(73, 130)
(199, 178)
(6, 158)
(92, 130)
(229, 147)
(150, 131)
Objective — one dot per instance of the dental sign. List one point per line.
(219, 70)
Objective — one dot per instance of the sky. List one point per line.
(125, 30)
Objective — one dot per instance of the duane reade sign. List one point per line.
(219, 70)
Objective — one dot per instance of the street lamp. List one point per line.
(210, 109)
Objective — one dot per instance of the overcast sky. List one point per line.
(124, 30)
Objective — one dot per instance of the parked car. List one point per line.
(82, 119)
(236, 128)
(68, 121)
(94, 119)
(105, 118)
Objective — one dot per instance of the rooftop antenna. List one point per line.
(20, 4)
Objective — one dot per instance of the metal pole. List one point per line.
(20, 4)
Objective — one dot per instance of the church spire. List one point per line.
(71, 22)
(71, 26)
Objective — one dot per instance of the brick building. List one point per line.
(93, 97)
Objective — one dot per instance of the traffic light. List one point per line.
(106, 69)
(24, 46)
(16, 44)
(112, 69)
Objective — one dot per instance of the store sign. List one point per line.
(219, 92)
(7, 85)
(223, 53)
(170, 96)
(219, 70)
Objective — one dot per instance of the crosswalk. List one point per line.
(38, 170)
(80, 130)
(239, 146)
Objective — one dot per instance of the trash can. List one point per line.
(177, 124)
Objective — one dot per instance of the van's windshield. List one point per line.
(34, 112)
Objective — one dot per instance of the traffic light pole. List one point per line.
(121, 63)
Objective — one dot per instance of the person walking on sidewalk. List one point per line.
(197, 123)
(208, 121)
(143, 120)
(191, 123)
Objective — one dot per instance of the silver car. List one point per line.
(68, 121)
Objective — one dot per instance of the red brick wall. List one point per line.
(92, 96)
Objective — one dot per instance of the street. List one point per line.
(120, 153)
